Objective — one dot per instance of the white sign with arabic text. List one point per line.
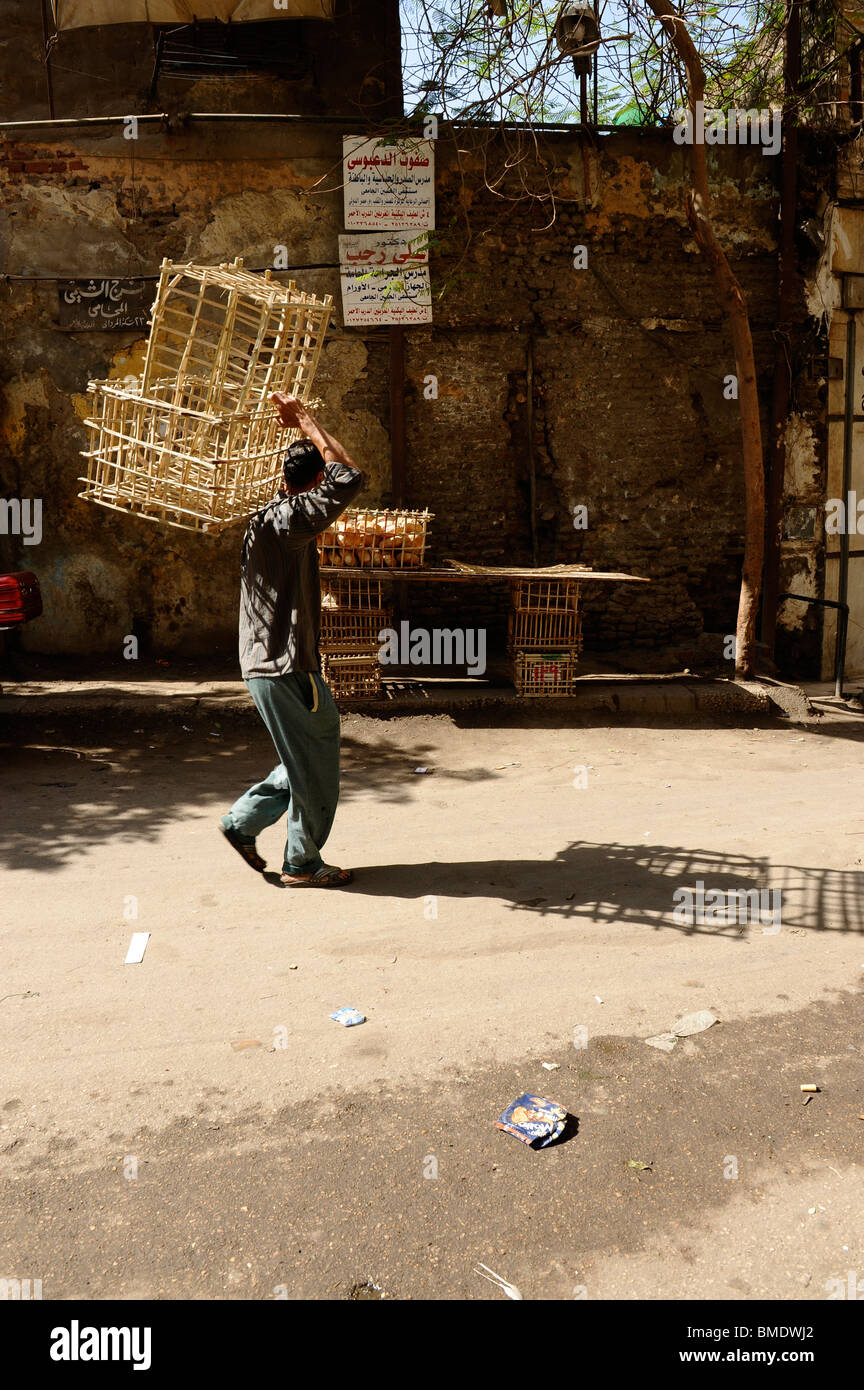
(385, 278)
(388, 184)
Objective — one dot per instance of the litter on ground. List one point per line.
(137, 947)
(534, 1120)
(503, 1284)
(684, 1028)
(348, 1017)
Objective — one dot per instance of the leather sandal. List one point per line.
(326, 877)
(246, 850)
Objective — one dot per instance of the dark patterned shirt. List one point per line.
(280, 592)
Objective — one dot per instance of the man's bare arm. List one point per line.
(294, 415)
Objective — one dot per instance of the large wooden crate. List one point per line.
(195, 442)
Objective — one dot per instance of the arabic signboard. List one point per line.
(388, 184)
(385, 278)
(104, 304)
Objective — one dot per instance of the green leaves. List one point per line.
(474, 67)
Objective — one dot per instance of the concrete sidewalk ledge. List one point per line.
(31, 702)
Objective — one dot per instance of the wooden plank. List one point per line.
(442, 576)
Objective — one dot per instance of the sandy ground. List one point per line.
(196, 1126)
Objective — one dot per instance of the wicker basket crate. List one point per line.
(195, 442)
(241, 334)
(344, 628)
(555, 629)
(355, 676)
(545, 595)
(367, 539)
(354, 592)
(544, 674)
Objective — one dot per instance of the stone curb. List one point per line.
(670, 698)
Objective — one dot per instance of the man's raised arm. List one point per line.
(313, 510)
(294, 415)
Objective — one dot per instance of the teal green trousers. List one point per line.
(303, 722)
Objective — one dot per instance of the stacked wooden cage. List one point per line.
(364, 538)
(352, 616)
(544, 636)
(195, 442)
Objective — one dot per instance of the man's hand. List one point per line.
(293, 413)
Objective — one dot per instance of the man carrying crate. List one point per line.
(280, 619)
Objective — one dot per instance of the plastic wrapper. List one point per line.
(535, 1120)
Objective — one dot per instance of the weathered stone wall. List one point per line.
(630, 356)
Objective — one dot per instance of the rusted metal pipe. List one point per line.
(842, 628)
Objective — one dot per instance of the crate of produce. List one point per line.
(352, 676)
(195, 442)
(545, 674)
(363, 538)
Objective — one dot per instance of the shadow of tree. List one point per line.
(60, 801)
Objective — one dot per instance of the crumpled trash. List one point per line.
(503, 1284)
(689, 1024)
(348, 1017)
(533, 1119)
(693, 1023)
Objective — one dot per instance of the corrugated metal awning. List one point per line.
(78, 14)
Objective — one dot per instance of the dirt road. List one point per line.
(196, 1126)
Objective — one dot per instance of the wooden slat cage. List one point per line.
(352, 675)
(195, 441)
(545, 673)
(545, 595)
(345, 628)
(545, 616)
(355, 591)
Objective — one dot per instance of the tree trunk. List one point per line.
(735, 306)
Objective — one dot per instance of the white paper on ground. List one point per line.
(137, 947)
(665, 1041)
(693, 1023)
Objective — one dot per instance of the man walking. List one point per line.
(280, 620)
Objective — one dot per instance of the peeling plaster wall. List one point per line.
(631, 354)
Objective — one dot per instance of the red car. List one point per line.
(20, 599)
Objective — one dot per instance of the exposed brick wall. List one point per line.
(630, 356)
